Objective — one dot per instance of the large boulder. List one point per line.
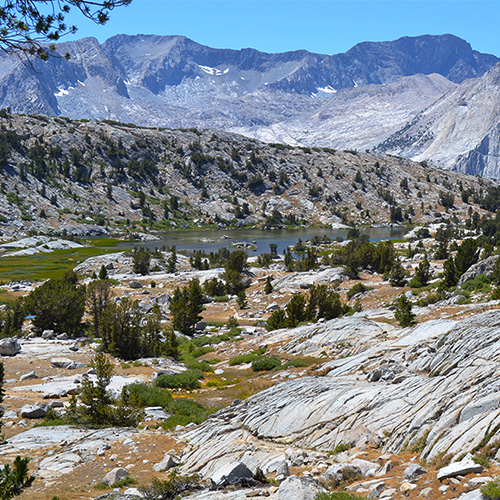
(167, 463)
(9, 346)
(114, 476)
(299, 488)
(232, 473)
(37, 410)
(462, 468)
(486, 266)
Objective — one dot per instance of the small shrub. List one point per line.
(491, 490)
(149, 395)
(357, 288)
(170, 488)
(337, 495)
(266, 364)
(189, 379)
(340, 448)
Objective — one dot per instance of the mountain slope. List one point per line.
(359, 117)
(171, 81)
(57, 173)
(460, 131)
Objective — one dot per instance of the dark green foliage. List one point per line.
(98, 298)
(491, 490)
(103, 273)
(450, 273)
(97, 407)
(127, 333)
(141, 260)
(322, 303)
(189, 379)
(214, 287)
(397, 275)
(172, 261)
(13, 480)
(355, 289)
(422, 274)
(234, 267)
(277, 320)
(295, 310)
(170, 488)
(404, 314)
(268, 287)
(467, 255)
(57, 305)
(266, 363)
(12, 318)
(186, 306)
(446, 199)
(242, 299)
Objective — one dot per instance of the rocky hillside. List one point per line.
(57, 174)
(459, 131)
(171, 81)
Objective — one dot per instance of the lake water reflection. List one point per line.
(212, 240)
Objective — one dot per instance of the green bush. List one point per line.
(149, 395)
(247, 358)
(491, 490)
(337, 495)
(266, 364)
(357, 288)
(189, 379)
(170, 488)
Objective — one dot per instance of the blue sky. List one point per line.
(324, 26)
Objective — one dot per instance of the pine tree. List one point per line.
(172, 261)
(404, 314)
(268, 288)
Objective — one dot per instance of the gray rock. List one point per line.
(37, 410)
(67, 363)
(135, 284)
(62, 336)
(9, 346)
(28, 376)
(486, 266)
(272, 307)
(114, 476)
(414, 471)
(10, 414)
(48, 334)
(376, 490)
(299, 488)
(472, 495)
(339, 472)
(200, 326)
(167, 463)
(462, 468)
(232, 473)
(283, 470)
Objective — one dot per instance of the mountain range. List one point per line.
(377, 94)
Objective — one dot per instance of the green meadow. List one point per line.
(48, 265)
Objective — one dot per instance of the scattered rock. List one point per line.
(10, 414)
(28, 376)
(414, 471)
(462, 468)
(299, 488)
(114, 476)
(167, 463)
(48, 334)
(9, 346)
(67, 363)
(232, 473)
(135, 284)
(37, 410)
